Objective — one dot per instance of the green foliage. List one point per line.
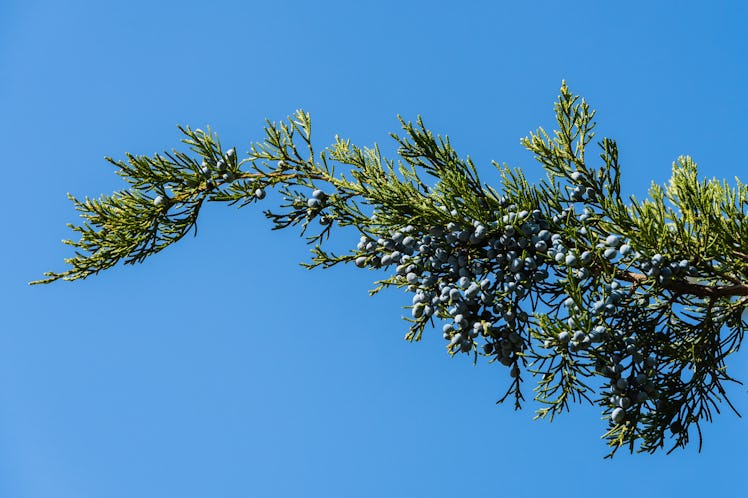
(632, 305)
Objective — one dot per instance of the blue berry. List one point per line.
(612, 240)
(618, 415)
(610, 253)
(314, 203)
(472, 291)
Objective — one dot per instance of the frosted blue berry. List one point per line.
(231, 153)
(472, 291)
(159, 200)
(612, 240)
(260, 193)
(361, 261)
(618, 415)
(530, 263)
(314, 203)
(477, 329)
(517, 265)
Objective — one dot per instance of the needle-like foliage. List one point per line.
(632, 305)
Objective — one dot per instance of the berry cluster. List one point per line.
(315, 204)
(658, 267)
(470, 274)
(474, 276)
(630, 383)
(224, 169)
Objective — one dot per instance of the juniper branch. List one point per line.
(632, 305)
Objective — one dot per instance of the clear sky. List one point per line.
(220, 367)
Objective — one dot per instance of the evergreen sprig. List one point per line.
(632, 305)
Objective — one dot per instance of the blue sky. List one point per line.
(222, 368)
